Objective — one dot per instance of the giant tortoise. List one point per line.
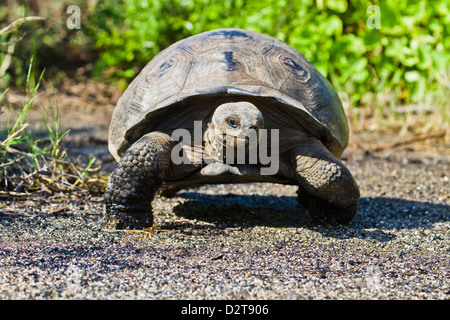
(228, 89)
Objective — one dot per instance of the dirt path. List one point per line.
(247, 241)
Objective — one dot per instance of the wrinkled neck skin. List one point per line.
(232, 135)
(212, 146)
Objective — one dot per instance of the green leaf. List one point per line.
(412, 76)
(337, 5)
(372, 38)
(333, 25)
(440, 61)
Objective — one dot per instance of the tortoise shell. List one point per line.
(230, 62)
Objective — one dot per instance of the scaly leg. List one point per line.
(327, 188)
(137, 177)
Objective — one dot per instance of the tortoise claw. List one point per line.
(129, 216)
(323, 212)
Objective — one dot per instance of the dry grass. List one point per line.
(29, 164)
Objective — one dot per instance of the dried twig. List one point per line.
(6, 164)
(15, 24)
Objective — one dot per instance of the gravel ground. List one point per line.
(249, 241)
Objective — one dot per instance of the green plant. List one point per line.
(17, 135)
(52, 124)
(55, 47)
(10, 39)
(31, 164)
(28, 163)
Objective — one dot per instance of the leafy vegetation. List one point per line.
(403, 61)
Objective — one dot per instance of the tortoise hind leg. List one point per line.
(326, 187)
(137, 177)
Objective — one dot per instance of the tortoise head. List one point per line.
(237, 125)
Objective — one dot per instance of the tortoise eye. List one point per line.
(232, 122)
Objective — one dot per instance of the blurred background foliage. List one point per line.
(404, 62)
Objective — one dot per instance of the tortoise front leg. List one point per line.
(136, 179)
(327, 188)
